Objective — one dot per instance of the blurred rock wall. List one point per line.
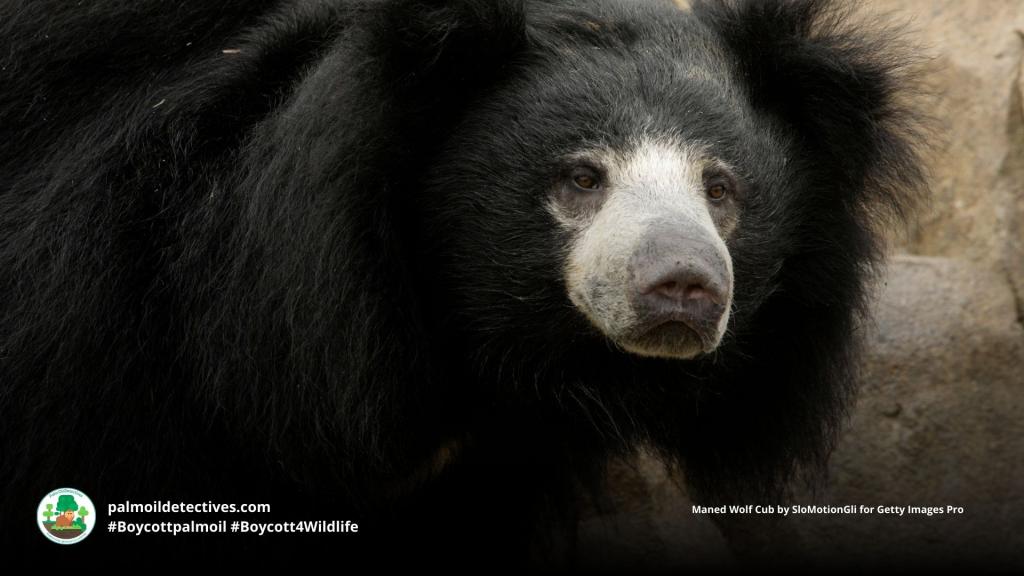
(975, 52)
(940, 420)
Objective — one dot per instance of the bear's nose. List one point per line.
(680, 291)
(679, 277)
(680, 286)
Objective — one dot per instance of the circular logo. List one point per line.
(66, 516)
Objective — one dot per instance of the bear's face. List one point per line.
(598, 189)
(648, 263)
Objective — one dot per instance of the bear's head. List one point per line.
(648, 176)
(669, 211)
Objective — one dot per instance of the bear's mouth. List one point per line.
(669, 338)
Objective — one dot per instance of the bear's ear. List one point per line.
(840, 86)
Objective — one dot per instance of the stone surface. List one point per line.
(975, 54)
(940, 421)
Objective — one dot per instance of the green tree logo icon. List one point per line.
(64, 516)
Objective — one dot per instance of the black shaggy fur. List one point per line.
(296, 252)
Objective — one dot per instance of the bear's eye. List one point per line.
(717, 192)
(586, 179)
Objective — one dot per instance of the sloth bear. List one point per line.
(427, 265)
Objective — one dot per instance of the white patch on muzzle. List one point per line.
(653, 181)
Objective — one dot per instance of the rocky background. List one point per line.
(940, 419)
